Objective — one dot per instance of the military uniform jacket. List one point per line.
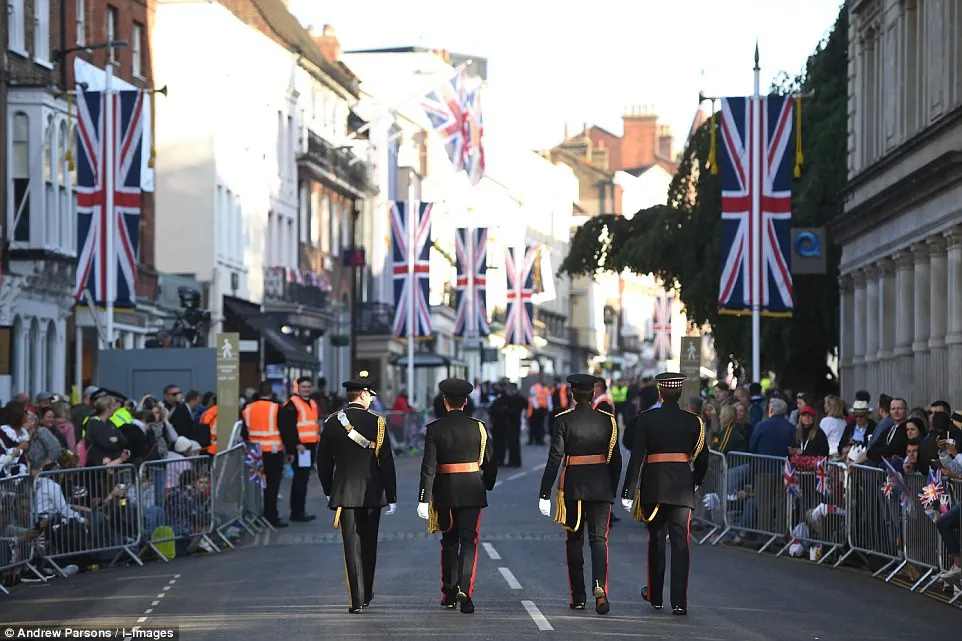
(667, 430)
(352, 475)
(456, 438)
(582, 431)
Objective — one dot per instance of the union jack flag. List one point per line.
(445, 108)
(822, 485)
(402, 219)
(933, 495)
(123, 179)
(255, 465)
(791, 479)
(895, 485)
(738, 126)
(662, 328)
(519, 324)
(474, 136)
(472, 258)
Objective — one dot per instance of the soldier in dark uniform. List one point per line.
(356, 468)
(457, 472)
(584, 444)
(669, 458)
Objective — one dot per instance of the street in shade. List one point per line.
(292, 587)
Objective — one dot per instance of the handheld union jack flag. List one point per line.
(445, 108)
(895, 486)
(95, 179)
(403, 218)
(472, 263)
(519, 324)
(791, 479)
(822, 485)
(662, 328)
(933, 495)
(474, 136)
(738, 126)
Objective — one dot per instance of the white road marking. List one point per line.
(141, 619)
(512, 582)
(516, 476)
(148, 610)
(166, 587)
(161, 595)
(536, 616)
(154, 604)
(492, 553)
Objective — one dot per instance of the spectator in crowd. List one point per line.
(694, 405)
(105, 443)
(741, 417)
(833, 423)
(709, 416)
(862, 427)
(180, 413)
(801, 400)
(80, 413)
(44, 449)
(722, 393)
(948, 523)
(15, 440)
(57, 419)
(731, 437)
(756, 404)
(773, 436)
(810, 439)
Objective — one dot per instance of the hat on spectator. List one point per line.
(90, 390)
(103, 392)
(44, 396)
(670, 380)
(360, 385)
(183, 445)
(808, 409)
(860, 407)
(582, 381)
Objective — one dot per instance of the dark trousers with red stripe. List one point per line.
(459, 552)
(594, 518)
(671, 523)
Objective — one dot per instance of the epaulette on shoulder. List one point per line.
(369, 411)
(563, 412)
(330, 416)
(605, 412)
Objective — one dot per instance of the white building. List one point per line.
(254, 197)
(901, 233)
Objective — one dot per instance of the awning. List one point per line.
(427, 360)
(270, 330)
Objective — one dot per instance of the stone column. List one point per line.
(59, 327)
(886, 321)
(954, 294)
(846, 347)
(21, 379)
(920, 345)
(861, 319)
(40, 358)
(938, 320)
(904, 325)
(870, 380)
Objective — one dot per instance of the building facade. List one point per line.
(258, 190)
(901, 232)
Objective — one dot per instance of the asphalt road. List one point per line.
(292, 587)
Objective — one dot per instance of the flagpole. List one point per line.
(413, 206)
(110, 259)
(756, 234)
(471, 325)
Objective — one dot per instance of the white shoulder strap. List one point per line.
(352, 433)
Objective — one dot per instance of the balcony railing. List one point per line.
(340, 162)
(286, 287)
(374, 319)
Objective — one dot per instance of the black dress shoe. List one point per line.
(278, 523)
(303, 518)
(580, 605)
(449, 601)
(367, 603)
(679, 611)
(467, 605)
(354, 610)
(644, 595)
(601, 600)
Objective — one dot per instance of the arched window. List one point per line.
(21, 177)
(48, 148)
(64, 145)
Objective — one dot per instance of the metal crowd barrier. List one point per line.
(406, 431)
(18, 540)
(178, 505)
(227, 497)
(837, 510)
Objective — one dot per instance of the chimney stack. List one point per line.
(665, 142)
(640, 142)
(327, 42)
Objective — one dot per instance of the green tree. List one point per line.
(681, 240)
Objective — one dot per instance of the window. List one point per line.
(81, 23)
(111, 29)
(323, 228)
(48, 151)
(41, 31)
(63, 144)
(21, 177)
(335, 229)
(136, 49)
(16, 38)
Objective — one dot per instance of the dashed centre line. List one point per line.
(536, 616)
(492, 553)
(510, 578)
(153, 604)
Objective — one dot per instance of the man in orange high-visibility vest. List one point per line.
(260, 419)
(299, 423)
(209, 420)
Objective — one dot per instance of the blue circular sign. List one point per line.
(807, 245)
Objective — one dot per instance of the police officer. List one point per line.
(457, 472)
(584, 444)
(669, 458)
(300, 427)
(357, 473)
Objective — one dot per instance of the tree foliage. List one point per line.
(681, 240)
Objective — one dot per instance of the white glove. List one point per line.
(423, 510)
(391, 508)
(627, 504)
(545, 506)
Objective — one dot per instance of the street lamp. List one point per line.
(60, 55)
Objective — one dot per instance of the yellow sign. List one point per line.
(228, 386)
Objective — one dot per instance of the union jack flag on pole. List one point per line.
(455, 114)
(96, 177)
(411, 268)
(662, 328)
(471, 294)
(519, 323)
(474, 136)
(740, 129)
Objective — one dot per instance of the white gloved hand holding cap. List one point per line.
(390, 509)
(423, 510)
(544, 505)
(627, 504)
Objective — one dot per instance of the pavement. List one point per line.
(291, 586)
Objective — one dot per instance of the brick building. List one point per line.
(39, 201)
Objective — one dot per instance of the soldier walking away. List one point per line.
(300, 428)
(669, 458)
(584, 445)
(457, 472)
(357, 473)
(260, 421)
